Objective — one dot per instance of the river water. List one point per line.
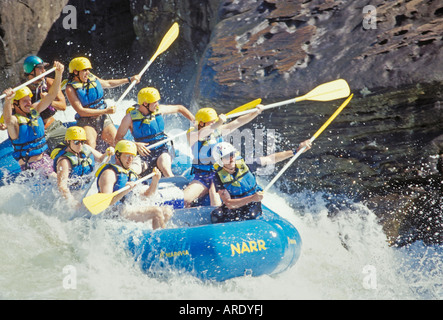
(47, 255)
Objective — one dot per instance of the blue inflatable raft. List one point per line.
(267, 245)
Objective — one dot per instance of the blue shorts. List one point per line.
(151, 159)
(204, 177)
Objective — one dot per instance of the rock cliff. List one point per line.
(384, 148)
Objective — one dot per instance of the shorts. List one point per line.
(44, 166)
(248, 212)
(151, 159)
(204, 177)
(55, 134)
(98, 123)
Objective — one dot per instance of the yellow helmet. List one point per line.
(148, 94)
(125, 146)
(206, 115)
(23, 92)
(79, 64)
(75, 133)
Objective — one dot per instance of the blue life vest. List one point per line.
(123, 175)
(149, 128)
(90, 93)
(82, 164)
(31, 139)
(202, 152)
(240, 184)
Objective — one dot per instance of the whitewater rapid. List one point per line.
(47, 255)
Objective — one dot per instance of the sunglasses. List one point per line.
(77, 142)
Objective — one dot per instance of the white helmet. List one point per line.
(222, 150)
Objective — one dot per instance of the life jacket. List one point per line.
(36, 96)
(242, 183)
(31, 139)
(149, 128)
(202, 152)
(90, 93)
(82, 164)
(123, 175)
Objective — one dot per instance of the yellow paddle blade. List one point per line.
(98, 202)
(334, 115)
(247, 106)
(167, 40)
(333, 90)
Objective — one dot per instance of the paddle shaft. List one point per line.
(315, 136)
(136, 182)
(167, 40)
(328, 91)
(30, 81)
(269, 106)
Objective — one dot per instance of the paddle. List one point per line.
(30, 81)
(98, 202)
(315, 136)
(246, 106)
(333, 90)
(91, 183)
(166, 42)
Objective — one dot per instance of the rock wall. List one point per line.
(383, 148)
(23, 29)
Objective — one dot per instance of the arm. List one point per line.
(240, 121)
(113, 83)
(168, 109)
(154, 183)
(280, 156)
(125, 125)
(54, 90)
(106, 184)
(240, 202)
(78, 107)
(59, 102)
(10, 121)
(63, 170)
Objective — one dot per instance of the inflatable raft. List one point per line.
(218, 252)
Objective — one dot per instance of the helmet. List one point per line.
(125, 146)
(79, 64)
(206, 115)
(23, 92)
(222, 150)
(75, 133)
(31, 62)
(148, 94)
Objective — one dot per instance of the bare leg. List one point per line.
(108, 134)
(164, 163)
(91, 136)
(214, 197)
(194, 191)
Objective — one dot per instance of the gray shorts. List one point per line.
(98, 123)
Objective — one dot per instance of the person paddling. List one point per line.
(85, 93)
(26, 128)
(112, 177)
(146, 123)
(55, 131)
(210, 130)
(74, 160)
(237, 185)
